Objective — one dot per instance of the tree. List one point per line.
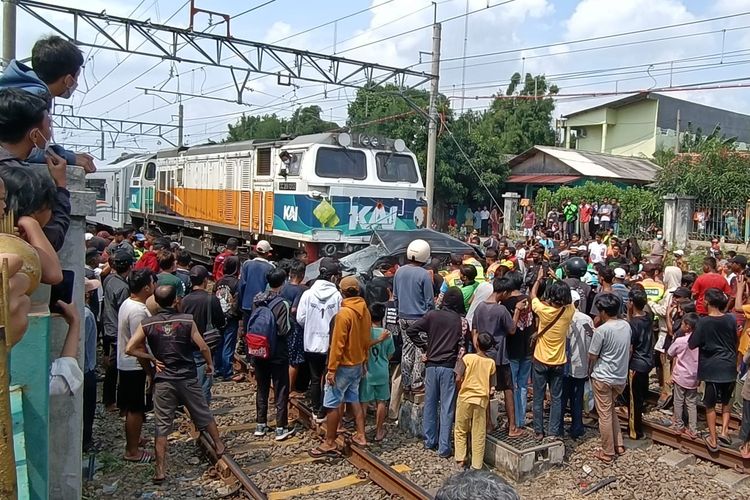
(717, 173)
(304, 120)
(523, 118)
(307, 120)
(256, 127)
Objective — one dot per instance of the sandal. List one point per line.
(318, 452)
(620, 451)
(745, 452)
(238, 378)
(145, 458)
(712, 448)
(724, 440)
(603, 457)
(158, 480)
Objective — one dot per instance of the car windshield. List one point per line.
(361, 261)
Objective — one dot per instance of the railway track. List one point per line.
(660, 433)
(252, 466)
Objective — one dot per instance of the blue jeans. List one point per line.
(345, 388)
(545, 375)
(225, 352)
(573, 393)
(520, 370)
(206, 381)
(440, 389)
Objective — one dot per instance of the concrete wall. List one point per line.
(53, 426)
(66, 413)
(592, 141)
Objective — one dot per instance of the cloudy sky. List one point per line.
(570, 41)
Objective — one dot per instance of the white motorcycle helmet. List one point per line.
(418, 251)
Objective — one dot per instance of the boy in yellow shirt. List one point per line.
(475, 378)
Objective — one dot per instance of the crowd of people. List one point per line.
(569, 311)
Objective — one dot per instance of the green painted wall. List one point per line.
(592, 141)
(634, 133)
(29, 368)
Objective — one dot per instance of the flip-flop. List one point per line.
(145, 458)
(604, 458)
(618, 452)
(711, 448)
(317, 452)
(724, 440)
(745, 452)
(158, 480)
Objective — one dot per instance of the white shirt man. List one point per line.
(597, 251)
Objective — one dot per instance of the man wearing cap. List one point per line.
(679, 261)
(139, 242)
(350, 341)
(116, 291)
(253, 279)
(229, 250)
(207, 314)
(315, 310)
(620, 289)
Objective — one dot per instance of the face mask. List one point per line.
(47, 145)
(69, 90)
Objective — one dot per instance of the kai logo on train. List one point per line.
(291, 213)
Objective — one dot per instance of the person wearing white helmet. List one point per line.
(414, 297)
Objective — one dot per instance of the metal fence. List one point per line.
(717, 221)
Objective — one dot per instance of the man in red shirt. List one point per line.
(231, 249)
(149, 259)
(709, 279)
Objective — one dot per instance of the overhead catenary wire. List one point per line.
(595, 38)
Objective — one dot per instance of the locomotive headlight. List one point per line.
(374, 141)
(344, 139)
(399, 145)
(364, 140)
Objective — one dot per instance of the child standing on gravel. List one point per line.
(375, 384)
(475, 379)
(685, 377)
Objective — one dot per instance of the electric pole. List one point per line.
(180, 117)
(9, 32)
(432, 126)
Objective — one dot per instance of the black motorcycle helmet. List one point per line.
(575, 267)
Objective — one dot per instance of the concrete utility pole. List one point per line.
(9, 31)
(432, 126)
(180, 117)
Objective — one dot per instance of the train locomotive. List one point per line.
(324, 193)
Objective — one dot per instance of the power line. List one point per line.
(598, 47)
(413, 30)
(127, 56)
(596, 38)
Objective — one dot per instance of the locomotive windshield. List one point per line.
(396, 168)
(337, 163)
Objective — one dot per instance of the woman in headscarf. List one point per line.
(662, 309)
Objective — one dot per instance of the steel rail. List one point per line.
(728, 457)
(378, 471)
(225, 466)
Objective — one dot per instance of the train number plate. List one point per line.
(287, 186)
